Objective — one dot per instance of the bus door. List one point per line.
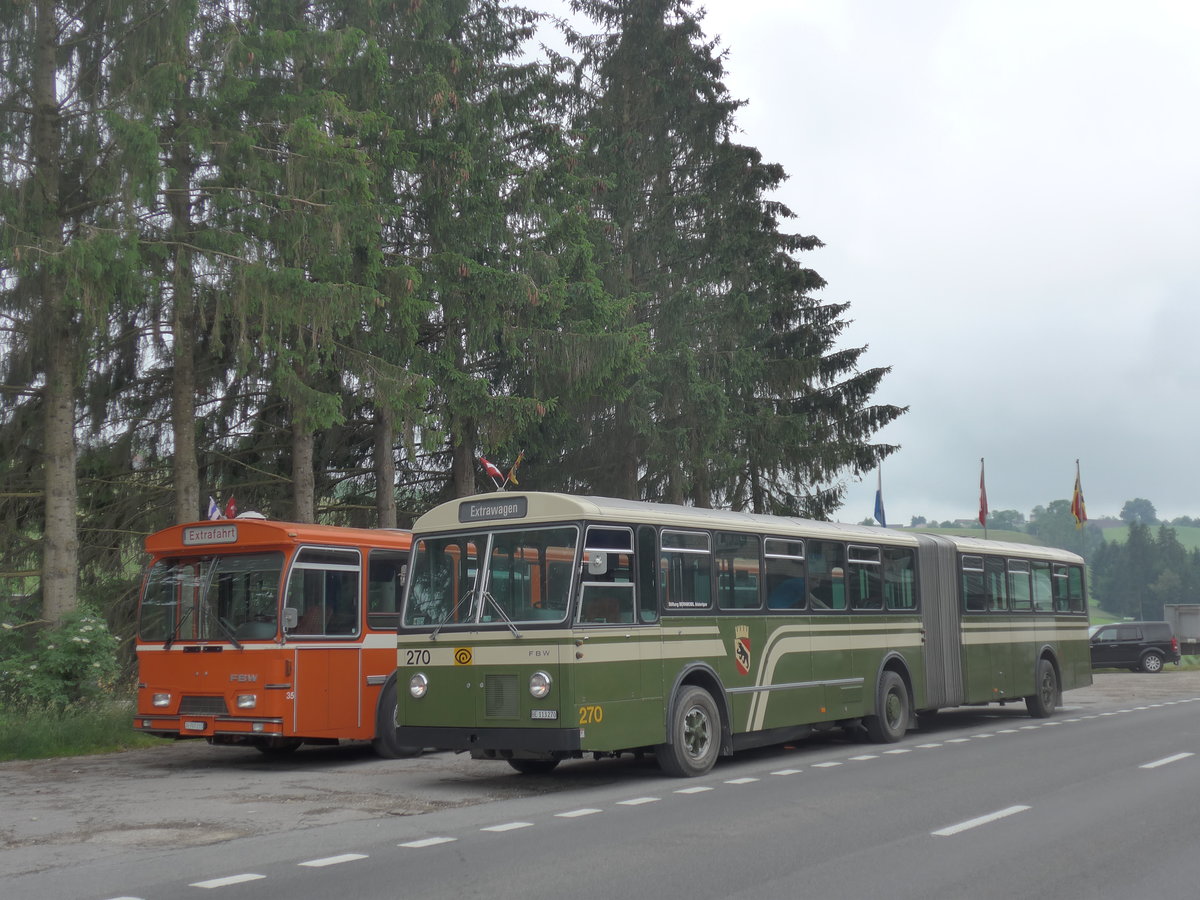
(832, 652)
(986, 648)
(324, 590)
(614, 646)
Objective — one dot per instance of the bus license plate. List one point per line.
(194, 726)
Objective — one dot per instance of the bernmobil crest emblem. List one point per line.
(741, 649)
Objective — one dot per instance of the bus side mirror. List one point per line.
(291, 618)
(597, 562)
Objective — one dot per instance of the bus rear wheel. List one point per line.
(892, 710)
(695, 735)
(1043, 701)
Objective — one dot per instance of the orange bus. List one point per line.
(271, 634)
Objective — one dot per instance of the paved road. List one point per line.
(119, 821)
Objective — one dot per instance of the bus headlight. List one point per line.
(161, 700)
(539, 685)
(247, 701)
(418, 685)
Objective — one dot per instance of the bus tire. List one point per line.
(695, 735)
(534, 766)
(893, 710)
(1043, 701)
(384, 743)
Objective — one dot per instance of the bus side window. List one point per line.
(974, 588)
(385, 583)
(324, 590)
(1043, 601)
(826, 575)
(865, 581)
(647, 569)
(784, 573)
(1019, 597)
(899, 578)
(738, 571)
(993, 572)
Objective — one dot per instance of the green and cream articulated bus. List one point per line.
(541, 627)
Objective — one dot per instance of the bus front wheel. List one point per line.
(384, 743)
(892, 709)
(695, 735)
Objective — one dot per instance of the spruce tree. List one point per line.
(746, 399)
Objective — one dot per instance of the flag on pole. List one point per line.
(492, 471)
(1078, 509)
(231, 508)
(880, 517)
(214, 511)
(512, 473)
(983, 507)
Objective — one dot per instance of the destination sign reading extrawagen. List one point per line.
(209, 534)
(481, 510)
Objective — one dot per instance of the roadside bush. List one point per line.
(43, 667)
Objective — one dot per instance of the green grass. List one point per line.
(43, 734)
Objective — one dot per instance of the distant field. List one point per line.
(1188, 535)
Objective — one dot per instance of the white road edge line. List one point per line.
(333, 860)
(1165, 761)
(226, 881)
(982, 820)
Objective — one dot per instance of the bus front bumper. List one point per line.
(535, 740)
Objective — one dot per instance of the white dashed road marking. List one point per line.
(226, 881)
(333, 860)
(981, 820)
(1165, 761)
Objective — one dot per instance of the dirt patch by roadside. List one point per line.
(190, 794)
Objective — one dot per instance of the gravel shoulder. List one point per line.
(73, 809)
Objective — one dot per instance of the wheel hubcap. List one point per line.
(892, 710)
(695, 732)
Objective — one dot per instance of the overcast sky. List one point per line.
(1009, 195)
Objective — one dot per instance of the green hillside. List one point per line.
(1187, 535)
(1015, 537)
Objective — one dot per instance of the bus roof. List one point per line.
(532, 507)
(241, 534)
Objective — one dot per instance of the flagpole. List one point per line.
(983, 506)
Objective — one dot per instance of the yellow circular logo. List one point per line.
(463, 656)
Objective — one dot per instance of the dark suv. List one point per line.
(1137, 646)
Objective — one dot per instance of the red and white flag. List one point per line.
(489, 468)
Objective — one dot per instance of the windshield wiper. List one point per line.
(488, 598)
(450, 613)
(175, 631)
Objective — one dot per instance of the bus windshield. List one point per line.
(526, 577)
(212, 598)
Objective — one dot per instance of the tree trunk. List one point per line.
(303, 479)
(60, 549)
(185, 472)
(385, 467)
(462, 467)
